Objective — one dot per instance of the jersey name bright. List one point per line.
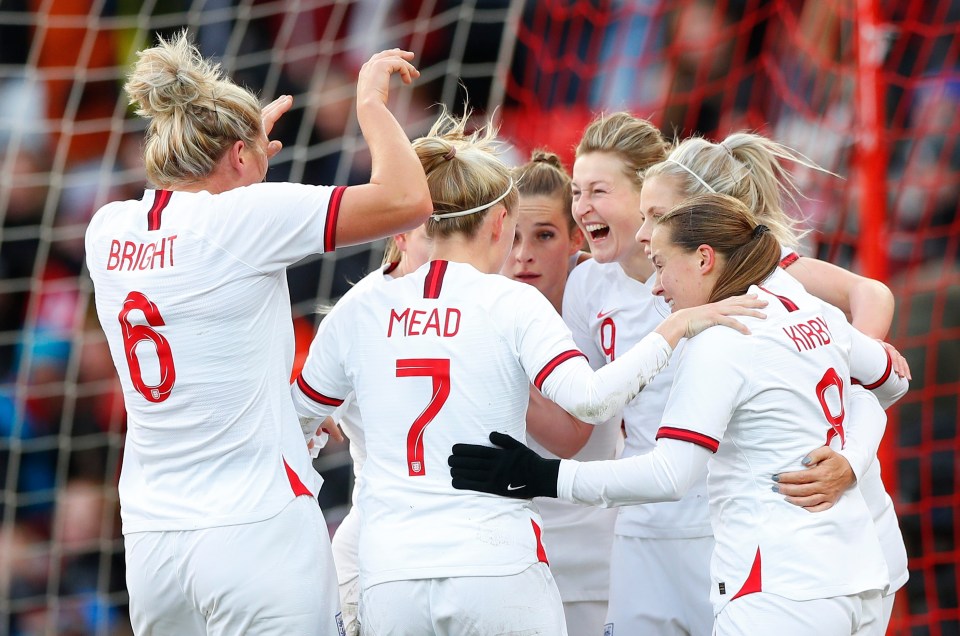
(417, 322)
(810, 334)
(130, 256)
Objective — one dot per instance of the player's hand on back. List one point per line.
(819, 486)
(687, 323)
(509, 469)
(375, 74)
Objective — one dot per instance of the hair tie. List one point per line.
(450, 153)
(760, 230)
(439, 216)
(692, 174)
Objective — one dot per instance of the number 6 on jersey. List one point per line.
(134, 334)
(439, 371)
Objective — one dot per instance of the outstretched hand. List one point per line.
(270, 114)
(900, 365)
(510, 469)
(375, 74)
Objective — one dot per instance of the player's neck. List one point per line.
(459, 249)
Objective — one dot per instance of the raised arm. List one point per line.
(397, 198)
(867, 303)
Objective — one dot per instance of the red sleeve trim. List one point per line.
(553, 364)
(789, 260)
(330, 225)
(693, 437)
(315, 395)
(160, 200)
(433, 283)
(883, 378)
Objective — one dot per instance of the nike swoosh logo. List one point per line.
(512, 487)
(601, 314)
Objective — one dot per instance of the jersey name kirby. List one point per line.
(130, 255)
(443, 323)
(810, 334)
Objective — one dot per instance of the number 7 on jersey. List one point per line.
(438, 370)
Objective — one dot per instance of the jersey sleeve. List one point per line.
(664, 474)
(863, 430)
(270, 226)
(871, 367)
(708, 387)
(561, 372)
(322, 385)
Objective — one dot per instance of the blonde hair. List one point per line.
(750, 251)
(391, 252)
(195, 112)
(636, 142)
(463, 172)
(544, 176)
(745, 166)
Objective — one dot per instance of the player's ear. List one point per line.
(235, 156)
(501, 214)
(708, 258)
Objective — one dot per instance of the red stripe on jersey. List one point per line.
(315, 395)
(883, 378)
(330, 226)
(434, 280)
(753, 583)
(160, 200)
(295, 483)
(789, 304)
(390, 267)
(541, 553)
(789, 260)
(553, 364)
(693, 437)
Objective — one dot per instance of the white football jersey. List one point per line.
(608, 312)
(579, 538)
(191, 292)
(761, 402)
(878, 500)
(446, 355)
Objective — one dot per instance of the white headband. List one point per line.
(693, 174)
(439, 216)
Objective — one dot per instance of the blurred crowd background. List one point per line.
(800, 71)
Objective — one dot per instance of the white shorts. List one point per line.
(527, 603)
(345, 547)
(660, 586)
(585, 617)
(270, 577)
(762, 613)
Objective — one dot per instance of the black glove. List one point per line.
(512, 470)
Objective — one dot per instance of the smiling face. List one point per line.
(658, 196)
(606, 204)
(542, 246)
(684, 279)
